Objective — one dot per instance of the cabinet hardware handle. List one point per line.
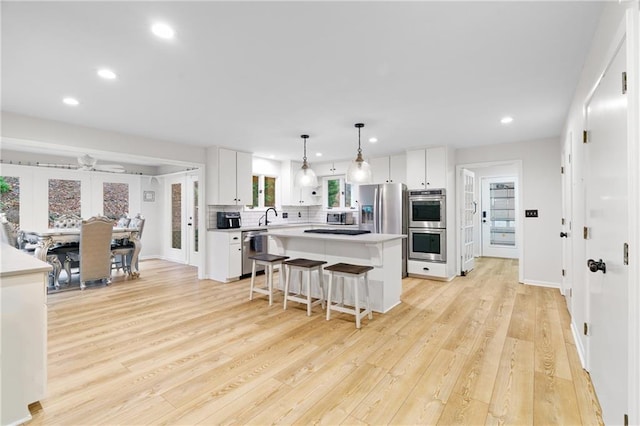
(425, 269)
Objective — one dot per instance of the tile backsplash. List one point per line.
(250, 217)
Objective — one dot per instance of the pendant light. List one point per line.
(359, 170)
(305, 178)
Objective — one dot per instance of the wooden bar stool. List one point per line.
(268, 260)
(309, 266)
(346, 270)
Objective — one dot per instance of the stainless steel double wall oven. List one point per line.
(428, 225)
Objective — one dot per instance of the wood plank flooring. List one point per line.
(171, 349)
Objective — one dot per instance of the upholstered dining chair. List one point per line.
(123, 249)
(94, 255)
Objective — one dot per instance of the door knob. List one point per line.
(563, 235)
(595, 266)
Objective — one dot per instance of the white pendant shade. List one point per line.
(359, 172)
(306, 178)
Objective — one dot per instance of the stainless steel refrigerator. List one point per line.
(383, 210)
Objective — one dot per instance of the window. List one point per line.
(264, 191)
(337, 193)
(10, 198)
(64, 198)
(116, 199)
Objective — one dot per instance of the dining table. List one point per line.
(53, 237)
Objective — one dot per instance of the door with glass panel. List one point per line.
(176, 218)
(193, 226)
(499, 203)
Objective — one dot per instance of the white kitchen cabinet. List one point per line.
(331, 168)
(234, 178)
(294, 195)
(427, 168)
(419, 268)
(23, 320)
(391, 169)
(224, 255)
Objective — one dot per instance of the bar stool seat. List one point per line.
(269, 261)
(309, 266)
(355, 272)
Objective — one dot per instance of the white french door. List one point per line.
(193, 241)
(498, 209)
(606, 218)
(469, 208)
(182, 213)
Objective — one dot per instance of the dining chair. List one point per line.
(123, 250)
(94, 255)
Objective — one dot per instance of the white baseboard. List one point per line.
(578, 342)
(541, 283)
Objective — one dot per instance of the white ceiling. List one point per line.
(255, 75)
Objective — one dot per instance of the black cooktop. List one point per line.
(338, 231)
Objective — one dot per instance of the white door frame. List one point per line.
(633, 134)
(519, 214)
(566, 283)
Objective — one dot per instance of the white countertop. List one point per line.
(16, 262)
(360, 239)
(285, 226)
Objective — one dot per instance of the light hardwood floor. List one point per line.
(170, 349)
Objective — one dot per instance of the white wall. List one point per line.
(85, 139)
(540, 189)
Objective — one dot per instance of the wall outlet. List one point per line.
(531, 213)
(299, 214)
(285, 215)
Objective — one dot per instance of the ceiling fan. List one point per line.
(89, 163)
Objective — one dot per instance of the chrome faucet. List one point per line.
(266, 215)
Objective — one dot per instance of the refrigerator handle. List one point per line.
(378, 209)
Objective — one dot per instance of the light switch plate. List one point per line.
(531, 213)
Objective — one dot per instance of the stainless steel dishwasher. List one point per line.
(253, 242)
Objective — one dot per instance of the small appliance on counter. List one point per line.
(345, 218)
(228, 220)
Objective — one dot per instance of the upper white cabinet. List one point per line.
(229, 177)
(331, 168)
(293, 195)
(390, 169)
(427, 168)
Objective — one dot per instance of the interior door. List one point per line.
(606, 218)
(469, 208)
(176, 214)
(567, 217)
(499, 202)
(193, 226)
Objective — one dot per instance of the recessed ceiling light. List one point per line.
(107, 74)
(318, 154)
(506, 120)
(71, 101)
(272, 156)
(163, 30)
(373, 140)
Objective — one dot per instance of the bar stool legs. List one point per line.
(309, 266)
(269, 261)
(342, 271)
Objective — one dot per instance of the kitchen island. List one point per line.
(382, 251)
